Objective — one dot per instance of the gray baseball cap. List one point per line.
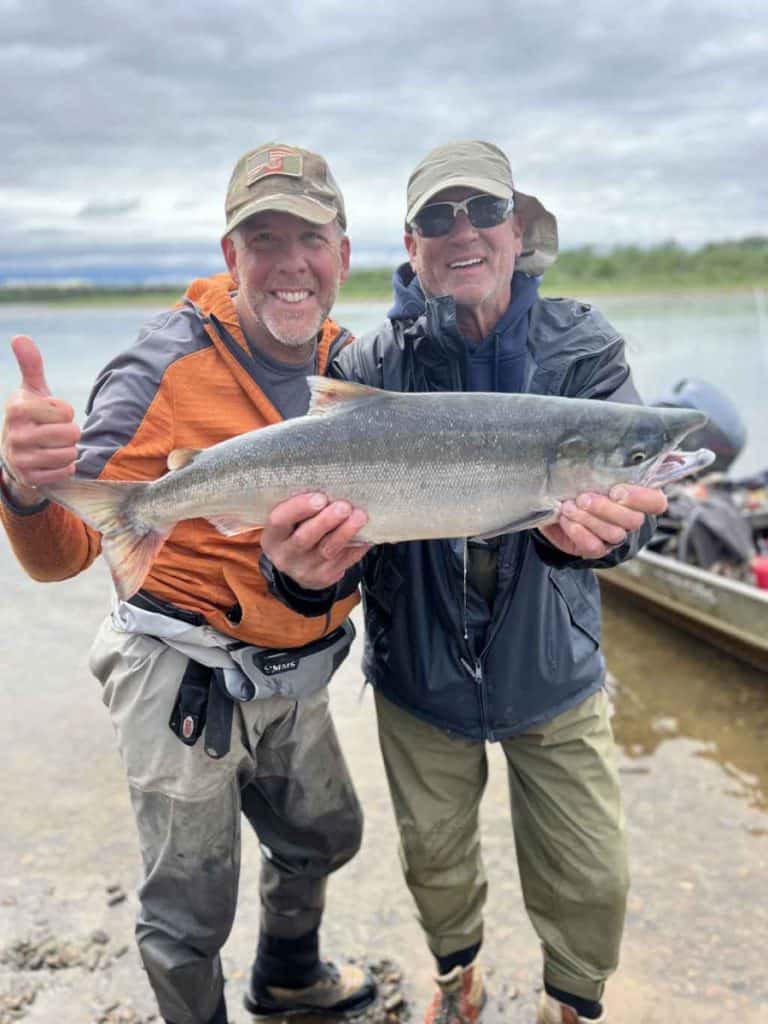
(287, 179)
(481, 165)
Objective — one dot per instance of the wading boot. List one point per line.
(553, 1012)
(344, 990)
(459, 996)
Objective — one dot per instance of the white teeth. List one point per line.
(293, 296)
(466, 263)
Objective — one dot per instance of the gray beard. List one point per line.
(296, 337)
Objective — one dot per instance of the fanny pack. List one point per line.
(206, 694)
(290, 672)
(221, 670)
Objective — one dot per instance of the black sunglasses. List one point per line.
(484, 211)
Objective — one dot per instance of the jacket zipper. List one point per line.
(476, 672)
(494, 627)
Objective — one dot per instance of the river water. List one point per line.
(691, 724)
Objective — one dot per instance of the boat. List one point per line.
(726, 605)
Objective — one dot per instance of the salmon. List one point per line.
(422, 465)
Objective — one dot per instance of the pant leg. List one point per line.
(571, 843)
(187, 809)
(436, 782)
(302, 805)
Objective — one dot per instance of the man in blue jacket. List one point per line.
(528, 672)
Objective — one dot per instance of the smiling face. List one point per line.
(287, 272)
(474, 265)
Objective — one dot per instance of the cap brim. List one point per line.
(489, 185)
(300, 206)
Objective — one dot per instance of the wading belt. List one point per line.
(221, 671)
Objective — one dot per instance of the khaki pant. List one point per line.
(568, 827)
(284, 771)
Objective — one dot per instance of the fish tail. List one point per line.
(128, 545)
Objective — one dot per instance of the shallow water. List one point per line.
(670, 687)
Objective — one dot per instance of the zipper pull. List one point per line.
(475, 671)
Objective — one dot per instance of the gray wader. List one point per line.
(284, 770)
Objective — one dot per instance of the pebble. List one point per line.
(52, 954)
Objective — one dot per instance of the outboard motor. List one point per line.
(725, 434)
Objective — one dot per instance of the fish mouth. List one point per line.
(674, 465)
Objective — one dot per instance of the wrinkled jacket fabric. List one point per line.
(539, 648)
(189, 381)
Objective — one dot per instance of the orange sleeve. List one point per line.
(52, 543)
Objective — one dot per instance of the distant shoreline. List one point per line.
(667, 268)
(371, 291)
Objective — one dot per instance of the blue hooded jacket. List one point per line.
(535, 652)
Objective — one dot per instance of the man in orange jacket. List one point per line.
(231, 357)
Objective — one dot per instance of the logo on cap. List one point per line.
(273, 161)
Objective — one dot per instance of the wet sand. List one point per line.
(693, 730)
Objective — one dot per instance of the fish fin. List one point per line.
(106, 505)
(327, 394)
(129, 555)
(231, 524)
(181, 457)
(536, 518)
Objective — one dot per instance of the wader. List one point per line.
(281, 766)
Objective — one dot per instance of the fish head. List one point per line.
(615, 444)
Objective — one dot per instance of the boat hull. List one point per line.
(726, 613)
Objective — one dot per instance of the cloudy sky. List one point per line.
(120, 120)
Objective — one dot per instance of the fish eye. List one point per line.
(637, 457)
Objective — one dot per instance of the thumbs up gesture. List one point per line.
(39, 431)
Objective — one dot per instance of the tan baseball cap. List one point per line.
(284, 178)
(481, 165)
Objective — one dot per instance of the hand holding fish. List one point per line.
(39, 433)
(312, 540)
(594, 524)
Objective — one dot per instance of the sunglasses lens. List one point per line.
(487, 211)
(434, 220)
(437, 219)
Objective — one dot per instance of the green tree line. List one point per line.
(669, 265)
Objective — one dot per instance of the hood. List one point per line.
(212, 296)
(410, 301)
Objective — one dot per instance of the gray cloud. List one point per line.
(632, 125)
(97, 208)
